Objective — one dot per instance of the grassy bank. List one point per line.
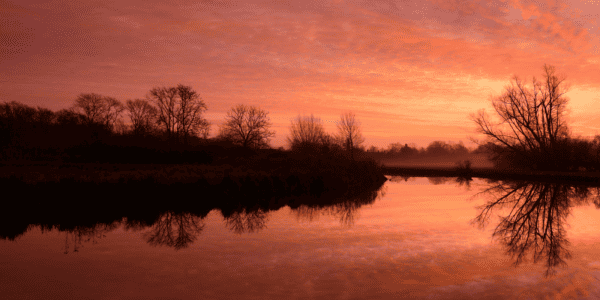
(264, 176)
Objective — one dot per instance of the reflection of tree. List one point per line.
(346, 211)
(246, 220)
(466, 181)
(401, 178)
(535, 221)
(78, 235)
(438, 180)
(177, 230)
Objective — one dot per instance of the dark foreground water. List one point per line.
(420, 239)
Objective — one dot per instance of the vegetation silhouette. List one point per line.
(247, 126)
(142, 115)
(532, 132)
(349, 133)
(179, 112)
(98, 109)
(307, 135)
(535, 223)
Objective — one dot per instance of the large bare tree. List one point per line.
(98, 109)
(307, 131)
(349, 133)
(247, 126)
(190, 119)
(142, 115)
(165, 99)
(531, 126)
(180, 111)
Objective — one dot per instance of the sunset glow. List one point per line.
(411, 71)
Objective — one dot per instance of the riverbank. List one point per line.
(266, 178)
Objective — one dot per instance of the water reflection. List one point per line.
(77, 236)
(533, 217)
(178, 225)
(461, 181)
(345, 211)
(246, 220)
(176, 230)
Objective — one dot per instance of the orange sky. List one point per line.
(411, 71)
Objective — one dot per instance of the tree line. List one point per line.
(529, 130)
(167, 119)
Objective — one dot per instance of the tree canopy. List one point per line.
(247, 126)
(531, 127)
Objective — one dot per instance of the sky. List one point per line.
(411, 71)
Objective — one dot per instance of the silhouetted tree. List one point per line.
(142, 115)
(65, 117)
(180, 111)
(349, 133)
(307, 132)
(98, 109)
(165, 100)
(190, 120)
(247, 126)
(532, 123)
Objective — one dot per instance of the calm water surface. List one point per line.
(420, 239)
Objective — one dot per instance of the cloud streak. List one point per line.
(432, 61)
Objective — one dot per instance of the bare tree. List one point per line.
(247, 126)
(90, 106)
(113, 110)
(180, 111)
(165, 100)
(142, 115)
(190, 120)
(532, 125)
(204, 130)
(349, 133)
(307, 131)
(98, 109)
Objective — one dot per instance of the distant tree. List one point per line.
(165, 100)
(532, 122)
(180, 111)
(459, 148)
(142, 115)
(372, 149)
(17, 112)
(349, 133)
(114, 108)
(438, 148)
(45, 116)
(67, 118)
(394, 148)
(98, 109)
(190, 119)
(409, 149)
(307, 132)
(247, 126)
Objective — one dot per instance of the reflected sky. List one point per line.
(416, 237)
